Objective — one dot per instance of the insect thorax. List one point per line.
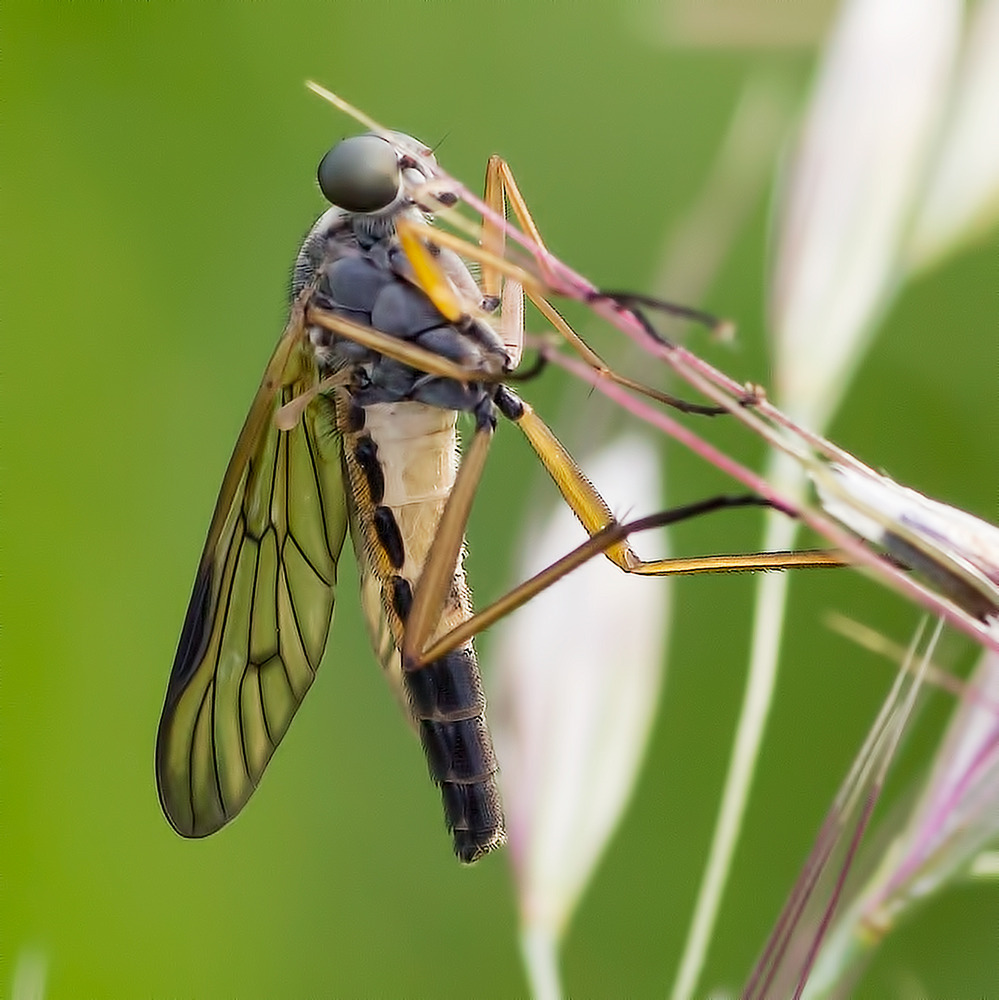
(363, 275)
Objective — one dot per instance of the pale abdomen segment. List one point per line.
(400, 460)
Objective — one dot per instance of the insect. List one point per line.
(353, 429)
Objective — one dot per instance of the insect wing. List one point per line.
(262, 604)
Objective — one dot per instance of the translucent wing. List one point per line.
(262, 604)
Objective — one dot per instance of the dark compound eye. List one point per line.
(360, 174)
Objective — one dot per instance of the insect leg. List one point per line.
(392, 347)
(608, 536)
(597, 544)
(432, 282)
(598, 364)
(593, 513)
(501, 188)
(438, 571)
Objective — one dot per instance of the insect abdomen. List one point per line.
(400, 460)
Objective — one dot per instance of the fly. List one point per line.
(353, 429)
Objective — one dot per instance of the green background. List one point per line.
(158, 177)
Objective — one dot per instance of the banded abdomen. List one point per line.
(400, 461)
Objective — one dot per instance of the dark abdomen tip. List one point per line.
(474, 815)
(446, 698)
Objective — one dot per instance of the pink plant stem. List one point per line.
(719, 387)
(674, 429)
(935, 821)
(761, 980)
(563, 280)
(852, 547)
(870, 800)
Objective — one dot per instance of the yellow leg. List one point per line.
(594, 515)
(501, 190)
(607, 536)
(401, 350)
(437, 576)
(597, 544)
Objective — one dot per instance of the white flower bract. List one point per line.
(576, 678)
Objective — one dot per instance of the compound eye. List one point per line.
(360, 174)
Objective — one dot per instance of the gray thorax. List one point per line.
(364, 276)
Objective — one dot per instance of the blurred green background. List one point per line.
(158, 177)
